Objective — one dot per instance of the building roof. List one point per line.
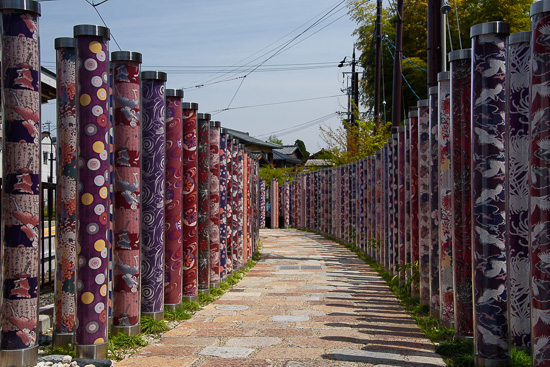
(277, 156)
(318, 163)
(291, 149)
(250, 140)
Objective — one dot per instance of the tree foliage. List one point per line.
(275, 140)
(415, 38)
(300, 144)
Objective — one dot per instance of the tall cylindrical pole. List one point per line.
(489, 192)
(446, 297)
(408, 233)
(21, 190)
(517, 188)
(415, 200)
(434, 202)
(153, 173)
(93, 198)
(235, 204)
(203, 210)
(539, 217)
(223, 205)
(424, 240)
(189, 203)
(126, 67)
(173, 200)
(66, 219)
(461, 190)
(229, 207)
(401, 205)
(214, 223)
(397, 66)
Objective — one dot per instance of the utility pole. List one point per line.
(354, 89)
(397, 68)
(378, 62)
(434, 41)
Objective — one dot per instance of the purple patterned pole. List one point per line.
(446, 297)
(395, 200)
(153, 175)
(461, 190)
(20, 252)
(229, 208)
(173, 200)
(93, 197)
(415, 200)
(214, 222)
(223, 205)
(434, 202)
(539, 218)
(408, 234)
(424, 199)
(489, 192)
(286, 195)
(65, 268)
(235, 204)
(373, 202)
(126, 292)
(262, 203)
(390, 206)
(378, 205)
(189, 202)
(517, 188)
(203, 201)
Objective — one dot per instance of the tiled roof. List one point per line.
(283, 157)
(246, 139)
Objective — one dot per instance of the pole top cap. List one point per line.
(91, 30)
(64, 42)
(126, 56)
(26, 5)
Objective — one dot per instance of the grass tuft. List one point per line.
(151, 326)
(67, 350)
(122, 345)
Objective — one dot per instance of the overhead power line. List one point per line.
(275, 103)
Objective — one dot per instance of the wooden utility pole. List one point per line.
(378, 62)
(397, 68)
(434, 41)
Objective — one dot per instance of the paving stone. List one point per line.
(291, 318)
(236, 362)
(199, 341)
(167, 351)
(232, 307)
(226, 352)
(156, 362)
(365, 356)
(294, 353)
(255, 342)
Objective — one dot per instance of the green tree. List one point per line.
(300, 144)
(275, 140)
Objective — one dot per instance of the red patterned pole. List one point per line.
(461, 191)
(414, 216)
(433, 158)
(64, 322)
(215, 204)
(229, 207)
(189, 203)
(424, 200)
(235, 204)
(539, 218)
(446, 296)
(21, 188)
(401, 203)
(93, 197)
(173, 200)
(126, 305)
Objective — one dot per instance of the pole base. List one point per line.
(190, 298)
(214, 285)
(435, 313)
(424, 302)
(94, 351)
(63, 339)
(157, 316)
(224, 278)
(486, 362)
(19, 357)
(464, 337)
(204, 291)
(128, 330)
(171, 306)
(447, 324)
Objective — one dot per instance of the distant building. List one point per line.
(255, 145)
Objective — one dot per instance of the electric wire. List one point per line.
(458, 26)
(274, 103)
(301, 126)
(402, 75)
(93, 5)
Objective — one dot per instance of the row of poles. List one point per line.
(155, 202)
(456, 203)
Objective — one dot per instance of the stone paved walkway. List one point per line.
(308, 302)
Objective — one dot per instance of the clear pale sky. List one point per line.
(212, 36)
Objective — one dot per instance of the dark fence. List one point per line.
(47, 240)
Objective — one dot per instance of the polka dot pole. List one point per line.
(126, 71)
(64, 303)
(153, 214)
(92, 77)
(21, 185)
(189, 203)
(173, 200)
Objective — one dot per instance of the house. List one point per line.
(255, 145)
(287, 156)
(318, 160)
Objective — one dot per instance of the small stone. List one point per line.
(89, 365)
(74, 364)
(67, 359)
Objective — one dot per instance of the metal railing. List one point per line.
(47, 253)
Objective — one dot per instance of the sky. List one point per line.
(229, 56)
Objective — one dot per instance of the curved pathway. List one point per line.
(308, 302)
